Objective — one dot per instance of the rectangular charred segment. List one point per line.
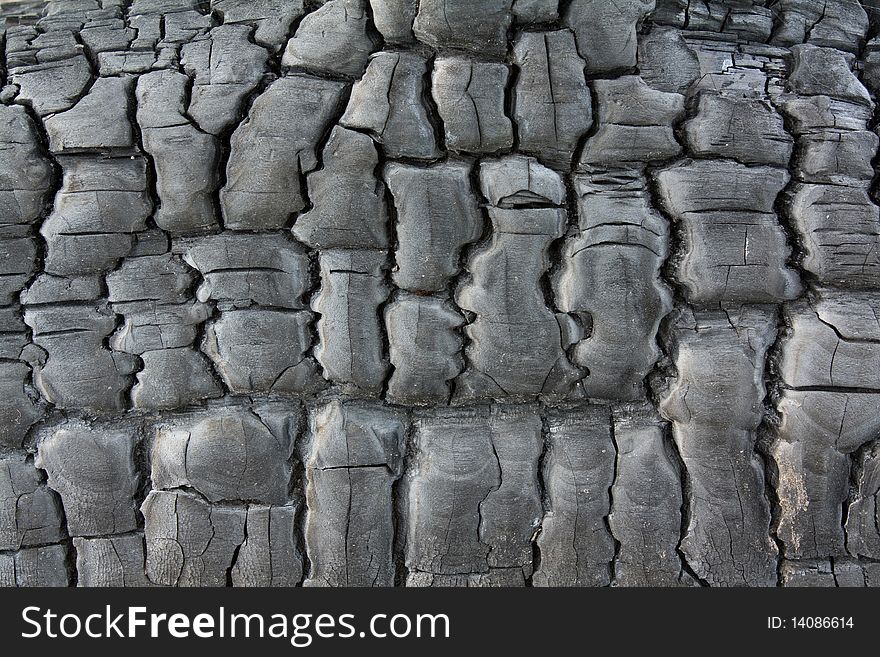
(97, 122)
(425, 348)
(634, 124)
(552, 107)
(387, 102)
(747, 130)
(351, 345)
(186, 158)
(334, 39)
(839, 229)
(818, 433)
(734, 248)
(225, 66)
(228, 455)
(470, 99)
(354, 458)
(153, 294)
(610, 281)
(480, 25)
(517, 342)
(832, 341)
(840, 24)
(828, 420)
(240, 271)
(94, 473)
(260, 340)
(606, 32)
(437, 216)
(715, 404)
(260, 351)
(190, 542)
(71, 366)
(44, 566)
(575, 543)
(113, 561)
(30, 512)
(70, 73)
(280, 136)
(348, 199)
(272, 18)
(646, 501)
(473, 502)
(101, 203)
(221, 510)
(18, 261)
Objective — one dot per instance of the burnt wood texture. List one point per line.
(439, 293)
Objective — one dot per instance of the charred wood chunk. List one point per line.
(472, 494)
(44, 566)
(348, 200)
(575, 544)
(387, 102)
(185, 158)
(333, 39)
(350, 345)
(353, 461)
(95, 474)
(825, 72)
(517, 343)
(478, 25)
(610, 281)
(735, 249)
(111, 562)
(863, 515)
(715, 405)
(840, 229)
(552, 107)
(394, 20)
(242, 271)
(99, 121)
(817, 434)
(30, 512)
(518, 181)
(646, 503)
(226, 456)
(840, 24)
(272, 18)
(437, 215)
(606, 31)
(424, 348)
(272, 148)
(269, 555)
(470, 101)
(72, 368)
(635, 124)
(226, 67)
(190, 542)
(52, 86)
(102, 201)
(747, 130)
(832, 342)
(263, 351)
